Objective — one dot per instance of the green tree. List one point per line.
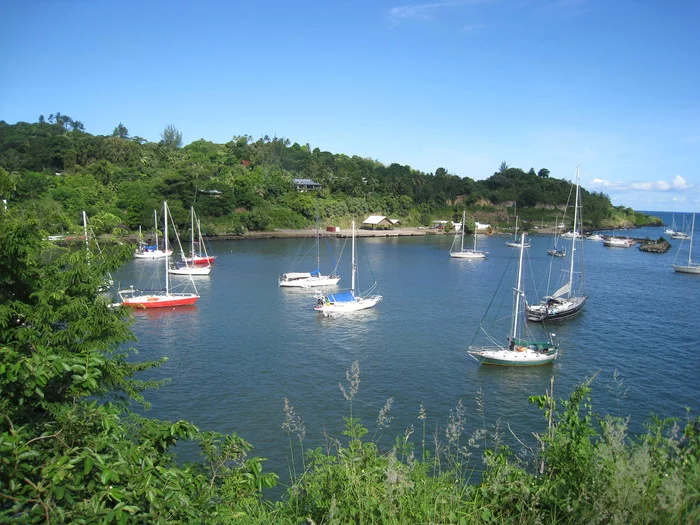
(71, 449)
(543, 173)
(171, 138)
(120, 131)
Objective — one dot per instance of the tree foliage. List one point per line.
(72, 450)
(239, 182)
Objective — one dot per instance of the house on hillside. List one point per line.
(378, 221)
(306, 185)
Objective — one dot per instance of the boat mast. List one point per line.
(573, 239)
(318, 243)
(192, 234)
(464, 218)
(165, 246)
(518, 291)
(692, 234)
(155, 223)
(352, 281)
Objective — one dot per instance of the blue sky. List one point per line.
(612, 86)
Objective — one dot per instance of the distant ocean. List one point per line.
(248, 344)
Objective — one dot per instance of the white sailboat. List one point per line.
(159, 298)
(680, 235)
(462, 253)
(691, 267)
(348, 301)
(515, 243)
(556, 252)
(569, 299)
(518, 350)
(195, 264)
(198, 249)
(151, 251)
(312, 279)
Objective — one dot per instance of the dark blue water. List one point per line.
(248, 344)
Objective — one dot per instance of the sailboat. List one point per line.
(193, 265)
(159, 298)
(681, 235)
(691, 267)
(462, 253)
(198, 250)
(312, 279)
(107, 280)
(515, 243)
(518, 351)
(556, 252)
(569, 299)
(151, 251)
(672, 230)
(348, 301)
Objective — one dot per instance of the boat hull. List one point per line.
(687, 269)
(201, 261)
(506, 357)
(468, 254)
(148, 301)
(155, 254)
(563, 309)
(618, 243)
(360, 303)
(308, 282)
(191, 270)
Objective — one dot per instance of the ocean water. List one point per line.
(247, 345)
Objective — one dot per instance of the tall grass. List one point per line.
(587, 469)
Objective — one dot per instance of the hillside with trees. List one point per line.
(53, 169)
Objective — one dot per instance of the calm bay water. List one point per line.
(248, 344)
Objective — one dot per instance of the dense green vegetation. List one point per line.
(73, 449)
(54, 170)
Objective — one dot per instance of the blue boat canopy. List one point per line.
(343, 297)
(315, 273)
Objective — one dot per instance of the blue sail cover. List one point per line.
(315, 273)
(343, 297)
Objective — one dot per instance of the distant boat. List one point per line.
(672, 230)
(348, 301)
(515, 243)
(198, 250)
(312, 279)
(462, 253)
(159, 298)
(618, 242)
(556, 252)
(595, 237)
(199, 263)
(518, 350)
(691, 267)
(107, 280)
(151, 251)
(567, 300)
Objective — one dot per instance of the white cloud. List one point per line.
(677, 184)
(427, 11)
(680, 183)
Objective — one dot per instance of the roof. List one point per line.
(306, 182)
(374, 219)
